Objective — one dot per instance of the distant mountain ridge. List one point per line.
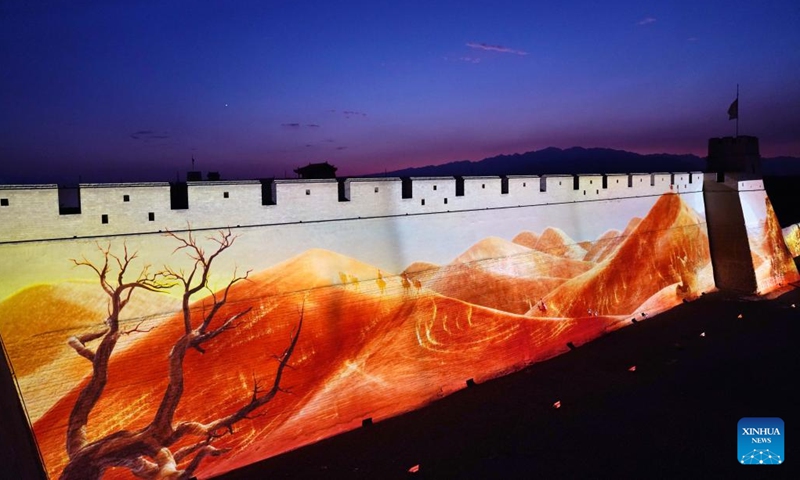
(575, 160)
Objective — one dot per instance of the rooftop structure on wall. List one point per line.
(316, 170)
(734, 154)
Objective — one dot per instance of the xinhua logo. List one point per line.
(760, 441)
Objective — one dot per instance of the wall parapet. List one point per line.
(35, 212)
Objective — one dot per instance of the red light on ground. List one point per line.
(557, 404)
(414, 469)
(632, 369)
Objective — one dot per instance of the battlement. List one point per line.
(42, 212)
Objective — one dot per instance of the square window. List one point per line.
(126, 198)
(308, 192)
(225, 195)
(151, 216)
(104, 218)
(3, 202)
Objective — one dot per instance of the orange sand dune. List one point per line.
(604, 245)
(502, 257)
(37, 321)
(791, 235)
(475, 285)
(778, 268)
(426, 347)
(526, 239)
(669, 246)
(498, 274)
(555, 242)
(338, 319)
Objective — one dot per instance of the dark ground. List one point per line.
(674, 417)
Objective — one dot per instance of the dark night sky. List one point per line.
(131, 90)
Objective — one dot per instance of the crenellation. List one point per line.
(130, 208)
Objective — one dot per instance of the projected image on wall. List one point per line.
(770, 248)
(179, 356)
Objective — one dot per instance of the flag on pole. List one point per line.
(733, 110)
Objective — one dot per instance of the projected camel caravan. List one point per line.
(148, 452)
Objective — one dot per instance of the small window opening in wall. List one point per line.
(483, 185)
(308, 192)
(423, 201)
(225, 195)
(104, 218)
(445, 201)
(151, 216)
(376, 189)
(3, 202)
(126, 198)
(597, 192)
(434, 187)
(618, 180)
(584, 192)
(524, 185)
(590, 182)
(559, 182)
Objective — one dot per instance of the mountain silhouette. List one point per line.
(553, 160)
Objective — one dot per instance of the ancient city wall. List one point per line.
(390, 292)
(33, 213)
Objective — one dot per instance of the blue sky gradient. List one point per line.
(131, 90)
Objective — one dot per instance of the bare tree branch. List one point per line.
(146, 452)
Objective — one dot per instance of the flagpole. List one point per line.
(737, 110)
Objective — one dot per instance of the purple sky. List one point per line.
(131, 90)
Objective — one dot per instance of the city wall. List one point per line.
(398, 291)
(32, 212)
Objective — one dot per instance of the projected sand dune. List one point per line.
(665, 248)
(373, 343)
(772, 254)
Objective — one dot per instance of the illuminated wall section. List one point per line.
(358, 317)
(772, 259)
(791, 236)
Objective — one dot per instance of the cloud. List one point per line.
(349, 113)
(290, 125)
(646, 21)
(312, 125)
(340, 148)
(495, 48)
(148, 135)
(463, 59)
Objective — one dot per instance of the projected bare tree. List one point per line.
(148, 452)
